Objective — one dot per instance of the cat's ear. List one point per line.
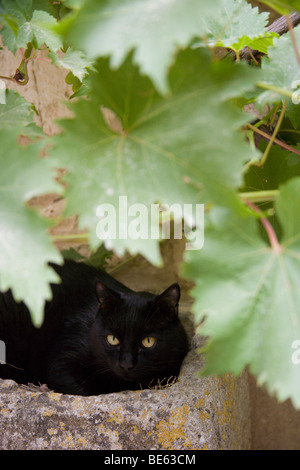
(169, 299)
(107, 298)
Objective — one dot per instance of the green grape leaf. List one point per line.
(72, 254)
(260, 44)
(16, 112)
(249, 294)
(40, 31)
(283, 7)
(280, 166)
(293, 108)
(98, 259)
(152, 27)
(75, 61)
(74, 81)
(22, 24)
(26, 6)
(185, 148)
(25, 248)
(235, 25)
(280, 76)
(74, 4)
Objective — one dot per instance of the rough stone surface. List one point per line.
(194, 413)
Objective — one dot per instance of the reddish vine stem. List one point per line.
(276, 141)
(268, 228)
(294, 42)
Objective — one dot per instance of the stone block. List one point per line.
(192, 414)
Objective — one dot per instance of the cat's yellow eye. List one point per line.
(148, 342)
(113, 340)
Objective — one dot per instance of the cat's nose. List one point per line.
(126, 362)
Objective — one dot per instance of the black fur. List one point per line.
(70, 352)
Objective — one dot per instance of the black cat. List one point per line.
(98, 336)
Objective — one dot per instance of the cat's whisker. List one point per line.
(98, 368)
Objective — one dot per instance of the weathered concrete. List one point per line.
(194, 413)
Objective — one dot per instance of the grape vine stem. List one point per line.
(268, 228)
(275, 140)
(271, 141)
(266, 195)
(294, 42)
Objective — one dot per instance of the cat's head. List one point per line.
(139, 334)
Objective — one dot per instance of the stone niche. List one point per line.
(194, 413)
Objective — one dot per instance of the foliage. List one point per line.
(236, 25)
(250, 290)
(180, 135)
(23, 233)
(283, 7)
